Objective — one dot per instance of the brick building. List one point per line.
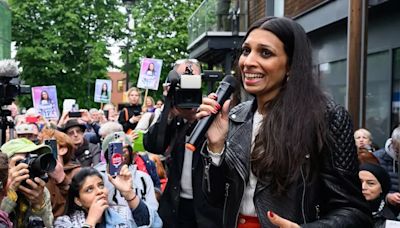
(118, 87)
(326, 23)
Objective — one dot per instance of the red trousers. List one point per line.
(245, 221)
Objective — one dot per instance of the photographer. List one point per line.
(182, 203)
(4, 220)
(28, 200)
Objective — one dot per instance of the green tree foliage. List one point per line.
(63, 43)
(160, 32)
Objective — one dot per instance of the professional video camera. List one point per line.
(185, 90)
(9, 89)
(39, 165)
(9, 85)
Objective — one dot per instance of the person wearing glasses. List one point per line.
(182, 203)
(86, 153)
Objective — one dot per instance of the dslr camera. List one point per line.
(185, 90)
(39, 165)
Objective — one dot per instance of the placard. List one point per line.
(45, 101)
(102, 92)
(150, 71)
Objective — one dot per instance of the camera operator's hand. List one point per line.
(135, 119)
(17, 173)
(35, 192)
(188, 114)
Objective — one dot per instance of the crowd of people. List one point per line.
(284, 155)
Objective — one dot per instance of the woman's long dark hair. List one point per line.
(294, 125)
(104, 92)
(75, 186)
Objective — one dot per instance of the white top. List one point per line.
(247, 205)
(186, 178)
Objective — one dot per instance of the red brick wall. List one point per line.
(292, 8)
(256, 10)
(116, 97)
(296, 7)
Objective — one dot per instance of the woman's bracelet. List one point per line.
(133, 198)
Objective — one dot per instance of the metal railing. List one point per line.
(218, 16)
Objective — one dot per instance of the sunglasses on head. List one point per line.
(182, 61)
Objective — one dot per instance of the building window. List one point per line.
(279, 8)
(378, 96)
(396, 89)
(120, 86)
(333, 80)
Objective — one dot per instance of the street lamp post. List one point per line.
(128, 5)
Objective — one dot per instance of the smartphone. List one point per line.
(106, 113)
(75, 114)
(115, 158)
(31, 119)
(74, 108)
(53, 145)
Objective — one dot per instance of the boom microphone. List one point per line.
(8, 68)
(224, 91)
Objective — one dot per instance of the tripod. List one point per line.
(4, 124)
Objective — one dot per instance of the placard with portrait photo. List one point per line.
(150, 70)
(45, 101)
(102, 92)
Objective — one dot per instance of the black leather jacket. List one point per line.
(327, 197)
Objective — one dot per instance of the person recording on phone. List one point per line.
(182, 203)
(28, 200)
(130, 115)
(142, 183)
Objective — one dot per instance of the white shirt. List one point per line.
(247, 205)
(186, 178)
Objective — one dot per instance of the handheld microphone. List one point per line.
(224, 91)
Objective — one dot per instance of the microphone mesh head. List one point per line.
(8, 68)
(231, 81)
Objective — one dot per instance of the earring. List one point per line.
(287, 76)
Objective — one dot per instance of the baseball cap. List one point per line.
(25, 129)
(23, 145)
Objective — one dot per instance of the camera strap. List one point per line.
(160, 140)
